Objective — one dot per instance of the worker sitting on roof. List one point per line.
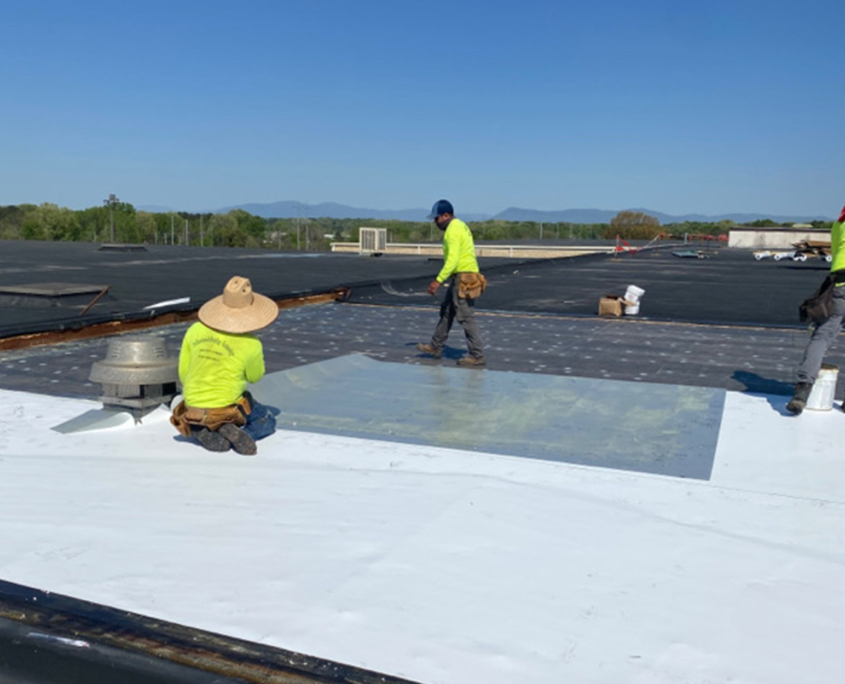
(219, 356)
(824, 331)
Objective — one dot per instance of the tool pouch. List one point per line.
(471, 285)
(185, 417)
(819, 306)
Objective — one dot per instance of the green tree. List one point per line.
(51, 222)
(633, 225)
(12, 219)
(225, 231)
(147, 227)
(126, 223)
(252, 227)
(94, 223)
(489, 230)
(820, 224)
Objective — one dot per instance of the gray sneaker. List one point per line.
(431, 351)
(240, 440)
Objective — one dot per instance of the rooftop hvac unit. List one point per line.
(372, 240)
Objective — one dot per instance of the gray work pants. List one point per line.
(454, 308)
(824, 335)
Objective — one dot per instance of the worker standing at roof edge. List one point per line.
(219, 356)
(465, 284)
(826, 331)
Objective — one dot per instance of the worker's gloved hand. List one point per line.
(841, 216)
(433, 286)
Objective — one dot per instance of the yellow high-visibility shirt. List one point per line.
(215, 367)
(837, 247)
(458, 251)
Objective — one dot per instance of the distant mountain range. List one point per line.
(604, 216)
(292, 209)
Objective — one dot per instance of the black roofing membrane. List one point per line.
(536, 316)
(729, 286)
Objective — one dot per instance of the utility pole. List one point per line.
(172, 231)
(110, 202)
(201, 230)
(186, 232)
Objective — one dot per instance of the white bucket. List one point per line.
(824, 388)
(633, 294)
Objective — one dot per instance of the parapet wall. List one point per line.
(500, 251)
(773, 238)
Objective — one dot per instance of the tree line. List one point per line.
(122, 223)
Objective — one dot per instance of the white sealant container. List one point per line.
(824, 389)
(633, 294)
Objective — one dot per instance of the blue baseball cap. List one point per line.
(441, 207)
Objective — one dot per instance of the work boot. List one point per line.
(431, 351)
(213, 441)
(799, 398)
(240, 440)
(472, 361)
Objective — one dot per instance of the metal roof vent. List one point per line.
(137, 375)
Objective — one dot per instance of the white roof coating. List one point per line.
(447, 566)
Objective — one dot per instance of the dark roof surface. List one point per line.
(728, 286)
(724, 321)
(725, 286)
(138, 279)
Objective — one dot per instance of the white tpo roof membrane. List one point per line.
(447, 566)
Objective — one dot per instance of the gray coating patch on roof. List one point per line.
(659, 429)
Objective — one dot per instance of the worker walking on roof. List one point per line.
(219, 356)
(465, 284)
(825, 331)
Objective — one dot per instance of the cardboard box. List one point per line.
(610, 305)
(613, 305)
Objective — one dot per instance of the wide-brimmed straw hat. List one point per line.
(239, 309)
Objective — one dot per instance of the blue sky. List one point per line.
(706, 107)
